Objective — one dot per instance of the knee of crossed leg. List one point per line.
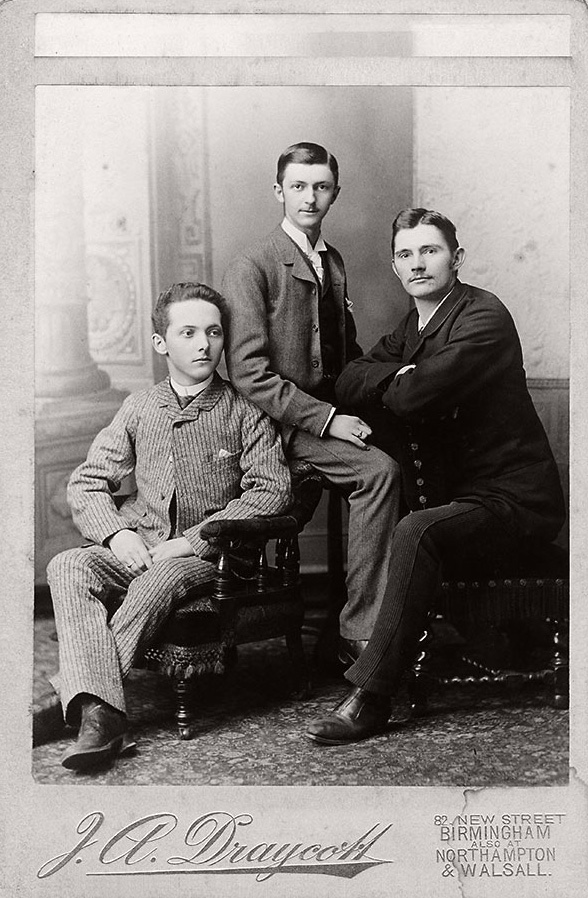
(62, 565)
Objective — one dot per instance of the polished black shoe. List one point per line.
(360, 715)
(350, 650)
(101, 738)
(48, 722)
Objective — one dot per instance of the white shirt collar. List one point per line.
(422, 323)
(301, 239)
(191, 389)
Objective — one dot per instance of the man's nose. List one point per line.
(309, 195)
(203, 342)
(418, 262)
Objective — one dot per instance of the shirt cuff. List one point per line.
(403, 370)
(327, 423)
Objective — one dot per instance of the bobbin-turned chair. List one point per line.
(251, 599)
(532, 596)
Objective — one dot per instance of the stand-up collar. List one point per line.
(204, 401)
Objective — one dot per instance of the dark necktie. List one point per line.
(184, 401)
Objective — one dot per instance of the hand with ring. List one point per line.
(351, 429)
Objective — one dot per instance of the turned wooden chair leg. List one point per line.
(560, 665)
(299, 668)
(183, 713)
(418, 680)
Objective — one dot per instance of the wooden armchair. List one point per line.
(249, 600)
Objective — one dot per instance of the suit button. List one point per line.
(315, 328)
(423, 500)
(315, 363)
(420, 481)
(414, 446)
(418, 464)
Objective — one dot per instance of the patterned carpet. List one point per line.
(249, 731)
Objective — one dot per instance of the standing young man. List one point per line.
(478, 471)
(290, 334)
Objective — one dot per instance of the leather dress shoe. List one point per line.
(101, 738)
(350, 650)
(48, 722)
(360, 715)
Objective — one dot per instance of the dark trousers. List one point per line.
(461, 536)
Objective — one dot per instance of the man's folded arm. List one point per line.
(365, 380)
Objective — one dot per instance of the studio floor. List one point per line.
(249, 730)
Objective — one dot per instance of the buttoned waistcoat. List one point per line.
(273, 348)
(219, 457)
(462, 420)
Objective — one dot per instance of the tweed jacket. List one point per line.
(273, 348)
(220, 457)
(462, 420)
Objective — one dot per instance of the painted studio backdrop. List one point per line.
(139, 187)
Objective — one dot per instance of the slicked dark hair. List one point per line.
(181, 293)
(307, 154)
(410, 218)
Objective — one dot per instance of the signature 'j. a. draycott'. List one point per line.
(156, 845)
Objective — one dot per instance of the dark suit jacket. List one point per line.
(462, 421)
(273, 348)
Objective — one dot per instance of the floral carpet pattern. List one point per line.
(249, 730)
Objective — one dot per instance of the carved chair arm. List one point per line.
(268, 527)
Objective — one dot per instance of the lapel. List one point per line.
(414, 340)
(336, 270)
(202, 403)
(293, 257)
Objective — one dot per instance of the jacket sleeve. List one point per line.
(361, 381)
(248, 353)
(266, 484)
(481, 346)
(110, 459)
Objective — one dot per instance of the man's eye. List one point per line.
(216, 332)
(187, 333)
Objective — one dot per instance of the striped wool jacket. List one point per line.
(220, 457)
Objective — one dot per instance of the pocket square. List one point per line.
(224, 453)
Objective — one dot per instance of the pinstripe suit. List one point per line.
(220, 457)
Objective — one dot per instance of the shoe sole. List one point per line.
(321, 740)
(82, 760)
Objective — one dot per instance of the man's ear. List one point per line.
(394, 269)
(159, 344)
(278, 193)
(458, 258)
(336, 193)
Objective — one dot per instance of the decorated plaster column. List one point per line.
(74, 398)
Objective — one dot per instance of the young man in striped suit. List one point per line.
(198, 451)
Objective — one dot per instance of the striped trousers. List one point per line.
(98, 644)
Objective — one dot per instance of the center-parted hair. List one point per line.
(410, 218)
(181, 293)
(307, 154)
